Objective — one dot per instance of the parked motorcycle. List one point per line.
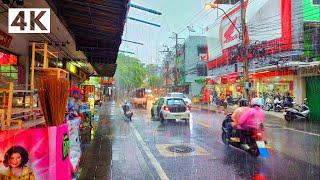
(297, 112)
(278, 105)
(254, 138)
(268, 104)
(221, 102)
(232, 101)
(127, 111)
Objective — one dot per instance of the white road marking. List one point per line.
(309, 133)
(202, 124)
(152, 159)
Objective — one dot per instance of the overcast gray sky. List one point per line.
(176, 16)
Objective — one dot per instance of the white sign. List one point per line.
(29, 20)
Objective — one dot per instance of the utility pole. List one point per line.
(244, 50)
(175, 59)
(175, 62)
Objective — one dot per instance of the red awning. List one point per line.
(268, 74)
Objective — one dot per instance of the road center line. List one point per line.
(152, 159)
(309, 133)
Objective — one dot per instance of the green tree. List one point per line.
(154, 80)
(130, 72)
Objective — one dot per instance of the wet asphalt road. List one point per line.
(140, 145)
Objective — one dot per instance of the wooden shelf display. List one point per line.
(12, 117)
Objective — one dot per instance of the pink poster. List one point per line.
(40, 153)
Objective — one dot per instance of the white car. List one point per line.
(170, 108)
(180, 95)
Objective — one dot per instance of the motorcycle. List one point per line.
(254, 138)
(232, 101)
(268, 104)
(278, 105)
(221, 102)
(297, 112)
(127, 111)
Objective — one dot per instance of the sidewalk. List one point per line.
(110, 150)
(230, 109)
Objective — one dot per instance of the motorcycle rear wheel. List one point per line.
(224, 138)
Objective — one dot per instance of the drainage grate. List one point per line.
(180, 149)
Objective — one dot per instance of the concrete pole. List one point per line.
(245, 51)
(175, 62)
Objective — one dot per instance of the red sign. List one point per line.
(229, 33)
(210, 81)
(8, 59)
(224, 80)
(268, 74)
(5, 39)
(233, 77)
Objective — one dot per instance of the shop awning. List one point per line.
(97, 27)
(268, 74)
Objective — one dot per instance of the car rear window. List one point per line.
(171, 102)
(177, 95)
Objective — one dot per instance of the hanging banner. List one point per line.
(41, 153)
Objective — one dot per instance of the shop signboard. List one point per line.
(72, 68)
(44, 153)
(8, 59)
(311, 10)
(310, 71)
(268, 24)
(5, 39)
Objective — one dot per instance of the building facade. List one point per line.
(283, 44)
(190, 67)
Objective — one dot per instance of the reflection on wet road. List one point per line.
(147, 149)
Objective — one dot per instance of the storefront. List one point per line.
(230, 84)
(275, 82)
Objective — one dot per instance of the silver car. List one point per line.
(170, 108)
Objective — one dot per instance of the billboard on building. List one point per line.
(268, 24)
(311, 10)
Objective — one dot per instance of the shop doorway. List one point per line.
(313, 91)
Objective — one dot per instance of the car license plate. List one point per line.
(261, 144)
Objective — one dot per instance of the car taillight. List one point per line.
(259, 134)
(166, 108)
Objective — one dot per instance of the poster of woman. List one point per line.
(15, 160)
(35, 154)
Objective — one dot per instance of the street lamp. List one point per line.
(215, 6)
(242, 36)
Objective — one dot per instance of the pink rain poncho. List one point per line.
(252, 118)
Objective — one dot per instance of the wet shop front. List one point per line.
(274, 81)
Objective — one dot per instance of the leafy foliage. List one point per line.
(130, 72)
